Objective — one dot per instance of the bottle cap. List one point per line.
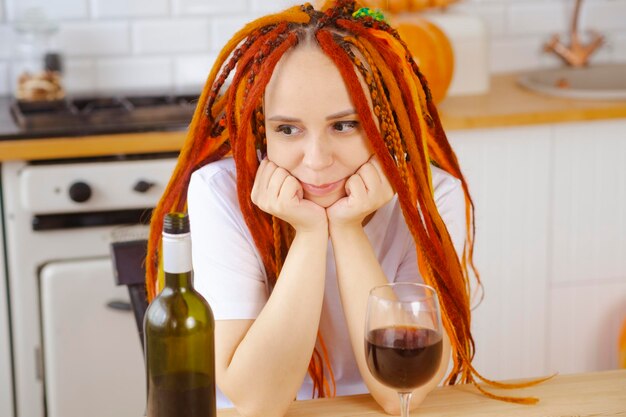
(176, 223)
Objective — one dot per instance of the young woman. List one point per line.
(319, 172)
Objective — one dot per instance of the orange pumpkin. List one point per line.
(432, 52)
(396, 6)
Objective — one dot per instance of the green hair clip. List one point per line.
(366, 11)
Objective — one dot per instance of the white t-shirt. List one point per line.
(229, 272)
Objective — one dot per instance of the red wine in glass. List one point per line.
(403, 357)
(403, 337)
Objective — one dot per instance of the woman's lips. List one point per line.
(321, 190)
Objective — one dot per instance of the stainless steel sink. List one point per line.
(597, 82)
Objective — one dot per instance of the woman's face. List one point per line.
(312, 127)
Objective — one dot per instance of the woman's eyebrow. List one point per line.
(338, 115)
(279, 118)
(341, 114)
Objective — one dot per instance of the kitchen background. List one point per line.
(548, 177)
(118, 44)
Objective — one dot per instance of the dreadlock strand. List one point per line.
(407, 89)
(246, 159)
(345, 67)
(449, 301)
(292, 15)
(380, 103)
(337, 54)
(401, 123)
(445, 157)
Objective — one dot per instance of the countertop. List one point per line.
(593, 394)
(506, 104)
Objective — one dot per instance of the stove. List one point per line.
(102, 114)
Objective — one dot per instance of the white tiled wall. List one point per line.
(173, 42)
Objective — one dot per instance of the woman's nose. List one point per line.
(318, 154)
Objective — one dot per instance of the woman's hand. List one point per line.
(278, 193)
(367, 190)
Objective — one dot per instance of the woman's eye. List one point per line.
(287, 130)
(345, 126)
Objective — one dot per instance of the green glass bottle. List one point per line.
(179, 335)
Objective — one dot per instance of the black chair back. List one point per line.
(130, 270)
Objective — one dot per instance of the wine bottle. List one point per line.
(179, 335)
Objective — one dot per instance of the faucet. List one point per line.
(576, 54)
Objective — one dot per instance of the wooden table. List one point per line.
(592, 394)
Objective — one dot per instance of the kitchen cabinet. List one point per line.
(6, 386)
(588, 271)
(550, 246)
(507, 171)
(92, 351)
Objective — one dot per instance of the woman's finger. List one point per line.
(276, 182)
(355, 188)
(371, 176)
(375, 162)
(254, 194)
(291, 188)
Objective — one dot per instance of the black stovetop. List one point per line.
(82, 115)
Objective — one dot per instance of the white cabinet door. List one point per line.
(508, 175)
(588, 268)
(93, 364)
(6, 386)
(585, 323)
(589, 211)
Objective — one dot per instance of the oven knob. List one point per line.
(142, 186)
(80, 192)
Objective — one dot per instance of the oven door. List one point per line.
(93, 363)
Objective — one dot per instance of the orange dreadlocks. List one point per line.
(231, 120)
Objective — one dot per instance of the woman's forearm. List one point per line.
(358, 270)
(269, 364)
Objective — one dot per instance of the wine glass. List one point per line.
(403, 337)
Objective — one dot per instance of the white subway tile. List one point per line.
(6, 41)
(208, 7)
(493, 14)
(603, 15)
(137, 73)
(191, 71)
(274, 5)
(15, 69)
(130, 8)
(619, 47)
(94, 38)
(65, 9)
(538, 17)
(512, 54)
(4, 79)
(162, 36)
(224, 28)
(79, 75)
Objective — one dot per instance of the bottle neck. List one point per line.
(177, 260)
(183, 281)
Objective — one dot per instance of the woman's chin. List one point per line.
(326, 200)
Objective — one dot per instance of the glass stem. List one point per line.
(405, 401)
